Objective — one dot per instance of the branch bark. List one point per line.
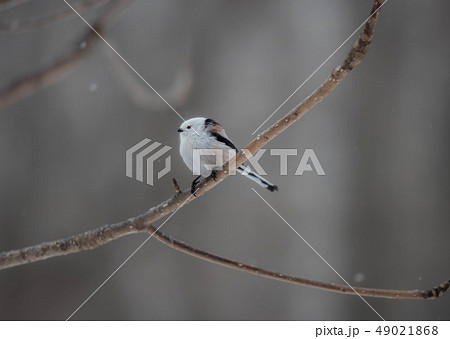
(143, 223)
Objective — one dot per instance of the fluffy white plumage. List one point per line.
(206, 134)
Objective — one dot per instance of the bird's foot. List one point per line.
(214, 175)
(194, 184)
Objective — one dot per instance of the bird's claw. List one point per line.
(214, 175)
(194, 184)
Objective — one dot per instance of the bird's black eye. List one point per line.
(188, 126)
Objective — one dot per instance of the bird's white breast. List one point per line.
(220, 152)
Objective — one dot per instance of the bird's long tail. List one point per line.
(258, 179)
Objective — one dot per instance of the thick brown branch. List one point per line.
(77, 243)
(143, 223)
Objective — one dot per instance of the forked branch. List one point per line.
(143, 223)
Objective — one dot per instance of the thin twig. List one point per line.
(176, 186)
(143, 223)
(51, 18)
(262, 272)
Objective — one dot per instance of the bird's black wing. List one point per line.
(224, 140)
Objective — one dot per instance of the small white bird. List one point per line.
(206, 134)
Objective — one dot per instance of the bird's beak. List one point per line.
(180, 130)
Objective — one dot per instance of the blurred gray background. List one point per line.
(380, 216)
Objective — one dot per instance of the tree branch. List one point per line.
(176, 186)
(143, 223)
(262, 272)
